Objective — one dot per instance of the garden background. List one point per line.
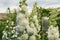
(39, 24)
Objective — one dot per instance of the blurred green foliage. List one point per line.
(3, 23)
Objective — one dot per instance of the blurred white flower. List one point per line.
(13, 36)
(10, 27)
(4, 35)
(13, 31)
(21, 16)
(31, 30)
(58, 38)
(36, 23)
(38, 28)
(34, 31)
(53, 33)
(9, 33)
(24, 22)
(18, 38)
(7, 26)
(27, 14)
(35, 17)
(14, 28)
(32, 25)
(4, 32)
(7, 21)
(20, 28)
(32, 37)
(24, 37)
(24, 7)
(12, 23)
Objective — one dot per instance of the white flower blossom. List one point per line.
(7, 21)
(27, 14)
(34, 31)
(9, 32)
(20, 16)
(4, 35)
(35, 17)
(38, 28)
(32, 25)
(12, 23)
(18, 38)
(13, 36)
(36, 23)
(11, 27)
(24, 37)
(24, 7)
(14, 28)
(13, 31)
(53, 33)
(24, 22)
(31, 30)
(7, 26)
(20, 28)
(32, 37)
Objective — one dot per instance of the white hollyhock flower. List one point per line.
(58, 38)
(53, 33)
(32, 37)
(18, 38)
(7, 21)
(20, 16)
(31, 30)
(24, 22)
(24, 37)
(7, 26)
(11, 27)
(13, 31)
(4, 35)
(13, 36)
(24, 7)
(12, 23)
(38, 28)
(36, 20)
(32, 25)
(9, 33)
(35, 17)
(27, 14)
(34, 31)
(21, 28)
(36, 23)
(14, 28)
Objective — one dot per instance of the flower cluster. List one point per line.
(24, 29)
(9, 32)
(53, 33)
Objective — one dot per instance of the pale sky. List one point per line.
(4, 4)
